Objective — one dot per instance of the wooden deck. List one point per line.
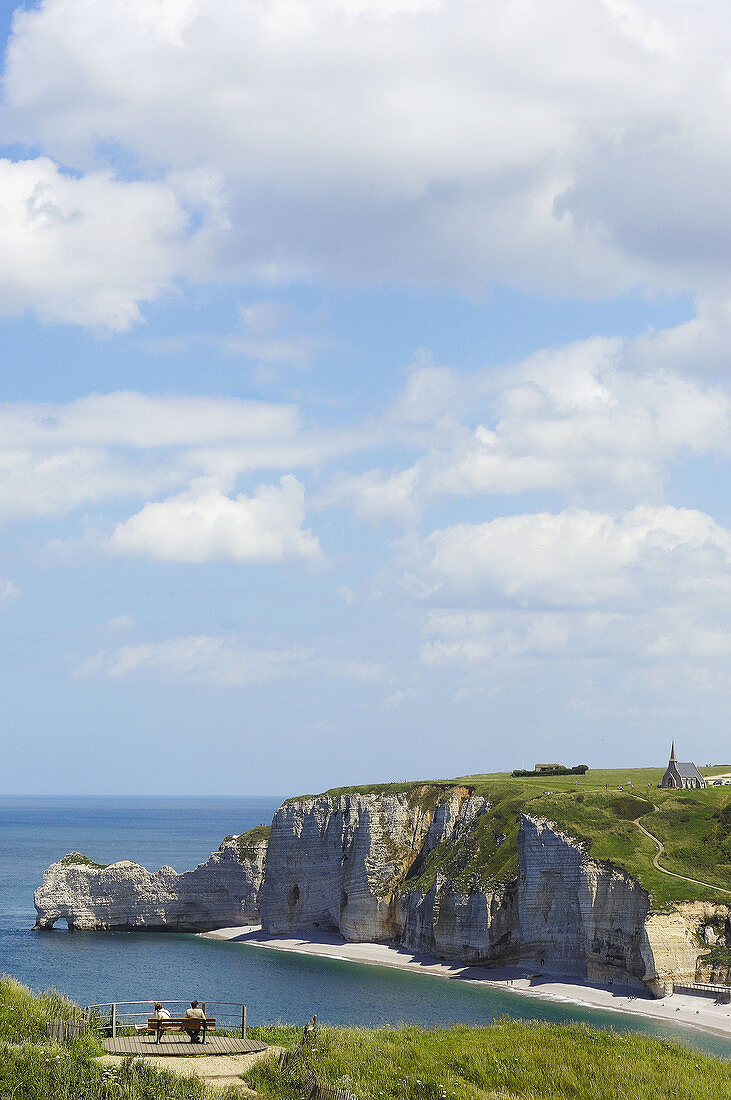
(173, 1043)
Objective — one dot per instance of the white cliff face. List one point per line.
(221, 892)
(566, 914)
(471, 927)
(576, 916)
(338, 863)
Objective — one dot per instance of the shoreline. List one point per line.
(696, 1012)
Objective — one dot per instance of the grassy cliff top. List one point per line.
(252, 838)
(694, 826)
(599, 809)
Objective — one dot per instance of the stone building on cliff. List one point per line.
(680, 776)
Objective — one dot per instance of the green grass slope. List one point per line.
(502, 1062)
(33, 1069)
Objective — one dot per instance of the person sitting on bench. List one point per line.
(160, 1012)
(195, 1013)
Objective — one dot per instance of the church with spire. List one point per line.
(681, 777)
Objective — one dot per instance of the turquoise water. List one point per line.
(96, 966)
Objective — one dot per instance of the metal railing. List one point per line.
(112, 1017)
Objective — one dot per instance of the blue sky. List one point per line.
(365, 390)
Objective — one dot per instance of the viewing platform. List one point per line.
(126, 1028)
(173, 1043)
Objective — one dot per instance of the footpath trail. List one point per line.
(660, 851)
(221, 1071)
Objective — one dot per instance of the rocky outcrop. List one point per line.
(219, 893)
(565, 914)
(338, 862)
(471, 927)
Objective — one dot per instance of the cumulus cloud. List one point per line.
(85, 250)
(643, 596)
(578, 559)
(578, 147)
(57, 457)
(227, 662)
(203, 524)
(590, 421)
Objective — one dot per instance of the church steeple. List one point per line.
(673, 757)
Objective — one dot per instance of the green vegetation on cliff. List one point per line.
(502, 1062)
(598, 809)
(77, 858)
(246, 842)
(415, 789)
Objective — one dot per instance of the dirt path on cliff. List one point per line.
(661, 851)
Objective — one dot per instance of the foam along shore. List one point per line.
(696, 1011)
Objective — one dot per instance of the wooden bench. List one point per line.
(182, 1023)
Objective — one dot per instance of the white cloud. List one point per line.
(85, 250)
(57, 457)
(203, 524)
(375, 495)
(120, 623)
(9, 591)
(574, 147)
(274, 333)
(38, 483)
(227, 662)
(576, 559)
(577, 420)
(197, 658)
(653, 637)
(130, 419)
(588, 420)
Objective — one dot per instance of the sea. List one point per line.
(96, 967)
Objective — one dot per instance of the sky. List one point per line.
(365, 390)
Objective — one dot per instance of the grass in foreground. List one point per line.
(32, 1069)
(505, 1061)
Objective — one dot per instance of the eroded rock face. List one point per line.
(471, 927)
(338, 863)
(676, 942)
(565, 915)
(576, 916)
(219, 893)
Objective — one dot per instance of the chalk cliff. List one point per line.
(349, 864)
(221, 892)
(563, 914)
(430, 867)
(339, 862)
